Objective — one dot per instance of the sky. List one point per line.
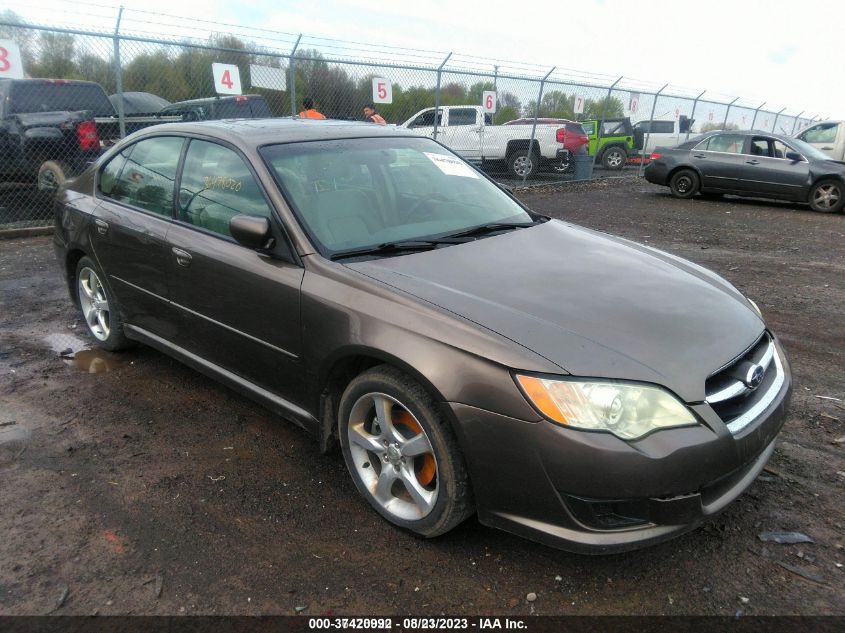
(754, 49)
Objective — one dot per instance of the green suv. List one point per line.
(617, 141)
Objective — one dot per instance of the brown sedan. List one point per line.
(468, 355)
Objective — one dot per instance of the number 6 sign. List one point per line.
(227, 79)
(382, 90)
(488, 102)
(10, 60)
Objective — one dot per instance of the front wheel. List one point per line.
(684, 183)
(826, 196)
(99, 308)
(401, 453)
(522, 164)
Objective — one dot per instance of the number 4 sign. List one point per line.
(227, 79)
(579, 105)
(488, 102)
(382, 90)
(10, 60)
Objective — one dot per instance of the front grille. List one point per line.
(743, 389)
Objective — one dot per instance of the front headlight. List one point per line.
(629, 411)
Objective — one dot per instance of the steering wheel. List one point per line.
(420, 205)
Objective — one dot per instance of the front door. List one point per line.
(129, 230)
(767, 171)
(240, 308)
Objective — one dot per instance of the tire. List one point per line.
(99, 309)
(614, 158)
(51, 175)
(827, 196)
(564, 166)
(684, 183)
(433, 467)
(520, 161)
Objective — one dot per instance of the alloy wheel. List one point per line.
(393, 456)
(827, 196)
(94, 303)
(614, 159)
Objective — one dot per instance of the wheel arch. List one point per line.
(691, 168)
(516, 145)
(72, 258)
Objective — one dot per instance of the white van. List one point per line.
(828, 136)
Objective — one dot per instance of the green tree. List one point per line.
(157, 73)
(56, 52)
(712, 125)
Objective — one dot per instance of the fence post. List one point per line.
(292, 79)
(755, 114)
(601, 119)
(795, 122)
(437, 93)
(118, 75)
(727, 112)
(534, 126)
(648, 134)
(692, 116)
(775, 124)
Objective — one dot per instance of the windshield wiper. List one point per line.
(493, 227)
(390, 248)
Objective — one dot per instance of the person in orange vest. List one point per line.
(371, 116)
(309, 112)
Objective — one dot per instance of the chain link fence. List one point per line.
(524, 123)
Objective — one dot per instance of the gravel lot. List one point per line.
(131, 484)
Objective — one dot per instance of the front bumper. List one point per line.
(591, 492)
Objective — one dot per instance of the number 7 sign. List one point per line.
(578, 105)
(382, 90)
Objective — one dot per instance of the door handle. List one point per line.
(827, 149)
(183, 258)
(753, 162)
(699, 156)
(102, 226)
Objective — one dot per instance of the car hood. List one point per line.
(592, 304)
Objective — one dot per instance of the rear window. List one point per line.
(243, 109)
(575, 128)
(41, 96)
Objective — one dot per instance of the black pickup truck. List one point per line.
(48, 130)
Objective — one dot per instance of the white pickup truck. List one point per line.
(828, 136)
(667, 133)
(470, 133)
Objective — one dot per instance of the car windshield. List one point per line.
(810, 152)
(361, 193)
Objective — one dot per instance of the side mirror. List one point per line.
(795, 157)
(251, 231)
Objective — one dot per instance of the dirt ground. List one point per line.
(131, 484)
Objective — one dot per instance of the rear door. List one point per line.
(129, 230)
(462, 132)
(239, 308)
(768, 172)
(720, 161)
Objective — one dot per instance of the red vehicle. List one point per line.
(571, 134)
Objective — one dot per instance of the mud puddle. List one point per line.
(77, 353)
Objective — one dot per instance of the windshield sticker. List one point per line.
(451, 166)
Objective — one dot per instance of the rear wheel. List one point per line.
(522, 164)
(401, 453)
(684, 183)
(614, 158)
(51, 175)
(827, 196)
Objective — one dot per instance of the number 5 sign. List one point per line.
(488, 102)
(579, 105)
(227, 79)
(10, 60)
(382, 90)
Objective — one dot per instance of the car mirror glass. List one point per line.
(251, 231)
(795, 157)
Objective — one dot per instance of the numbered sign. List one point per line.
(268, 77)
(710, 115)
(11, 66)
(227, 79)
(382, 90)
(579, 104)
(488, 101)
(677, 114)
(634, 103)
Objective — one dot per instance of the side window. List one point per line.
(781, 148)
(824, 133)
(426, 119)
(217, 185)
(461, 116)
(148, 175)
(109, 175)
(761, 146)
(728, 143)
(663, 127)
(589, 128)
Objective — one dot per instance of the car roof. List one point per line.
(252, 133)
(203, 100)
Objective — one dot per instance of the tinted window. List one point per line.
(462, 116)
(46, 96)
(217, 185)
(589, 128)
(416, 189)
(426, 119)
(109, 175)
(242, 108)
(825, 133)
(148, 175)
(728, 143)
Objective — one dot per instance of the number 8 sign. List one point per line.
(10, 60)
(382, 90)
